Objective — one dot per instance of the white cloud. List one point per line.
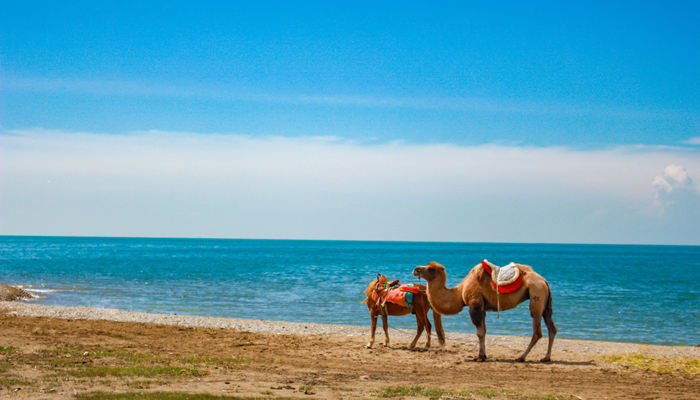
(675, 183)
(157, 183)
(694, 140)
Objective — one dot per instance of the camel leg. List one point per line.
(427, 327)
(478, 315)
(373, 329)
(420, 307)
(551, 328)
(385, 325)
(437, 319)
(536, 313)
(419, 330)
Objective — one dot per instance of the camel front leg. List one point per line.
(373, 329)
(385, 325)
(437, 319)
(478, 316)
(427, 329)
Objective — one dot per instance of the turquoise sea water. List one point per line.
(645, 294)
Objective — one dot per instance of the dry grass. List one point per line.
(657, 364)
(434, 393)
(165, 396)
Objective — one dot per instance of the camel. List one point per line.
(477, 292)
(420, 307)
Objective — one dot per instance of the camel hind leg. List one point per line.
(551, 328)
(537, 306)
(385, 325)
(420, 308)
(419, 331)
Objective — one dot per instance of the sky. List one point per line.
(537, 122)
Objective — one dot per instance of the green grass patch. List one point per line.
(9, 382)
(139, 384)
(165, 396)
(433, 393)
(4, 366)
(100, 352)
(486, 393)
(412, 391)
(230, 362)
(7, 349)
(136, 370)
(657, 364)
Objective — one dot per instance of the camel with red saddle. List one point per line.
(386, 298)
(488, 287)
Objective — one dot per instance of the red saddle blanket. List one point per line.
(508, 286)
(401, 296)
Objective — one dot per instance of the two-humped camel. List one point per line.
(476, 292)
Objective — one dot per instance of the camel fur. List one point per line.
(477, 293)
(420, 306)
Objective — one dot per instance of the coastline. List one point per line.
(591, 348)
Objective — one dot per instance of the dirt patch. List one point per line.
(44, 357)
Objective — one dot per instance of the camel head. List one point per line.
(429, 272)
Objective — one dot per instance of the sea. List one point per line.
(623, 293)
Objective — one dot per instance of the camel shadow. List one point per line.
(419, 349)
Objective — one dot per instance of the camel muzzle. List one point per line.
(417, 271)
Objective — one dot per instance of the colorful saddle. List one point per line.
(506, 279)
(392, 292)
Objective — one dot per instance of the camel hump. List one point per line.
(505, 279)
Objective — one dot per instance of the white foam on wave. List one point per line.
(36, 292)
(34, 289)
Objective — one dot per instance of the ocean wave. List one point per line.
(33, 289)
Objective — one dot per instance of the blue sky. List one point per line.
(612, 85)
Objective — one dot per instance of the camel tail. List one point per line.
(548, 307)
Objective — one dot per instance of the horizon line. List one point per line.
(341, 240)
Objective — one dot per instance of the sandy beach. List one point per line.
(91, 353)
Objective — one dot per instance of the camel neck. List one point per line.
(445, 300)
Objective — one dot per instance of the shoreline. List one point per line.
(590, 348)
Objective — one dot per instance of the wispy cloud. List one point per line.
(159, 183)
(693, 141)
(243, 95)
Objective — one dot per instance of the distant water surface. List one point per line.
(644, 294)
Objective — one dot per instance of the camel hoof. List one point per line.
(369, 346)
(545, 360)
(520, 359)
(480, 358)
